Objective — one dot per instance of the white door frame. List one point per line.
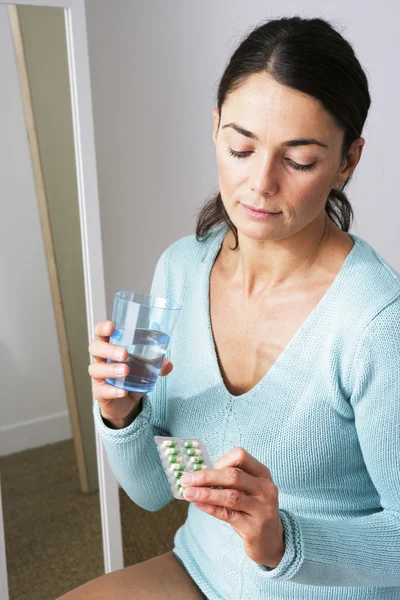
(89, 212)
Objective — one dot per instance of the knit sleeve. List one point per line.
(362, 551)
(131, 452)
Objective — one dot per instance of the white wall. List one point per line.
(155, 67)
(33, 405)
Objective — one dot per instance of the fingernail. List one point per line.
(118, 354)
(120, 370)
(185, 479)
(190, 493)
(121, 392)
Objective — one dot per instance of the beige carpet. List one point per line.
(53, 536)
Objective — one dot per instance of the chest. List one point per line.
(250, 336)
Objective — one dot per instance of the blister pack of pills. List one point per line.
(179, 456)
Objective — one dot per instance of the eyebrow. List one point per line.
(291, 143)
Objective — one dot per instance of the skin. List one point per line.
(275, 255)
(300, 244)
(283, 248)
(159, 577)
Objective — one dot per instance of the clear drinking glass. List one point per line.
(143, 325)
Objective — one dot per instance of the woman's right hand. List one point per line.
(117, 406)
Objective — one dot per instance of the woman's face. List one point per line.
(265, 164)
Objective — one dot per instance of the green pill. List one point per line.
(171, 451)
(197, 459)
(170, 443)
(193, 452)
(177, 467)
(190, 444)
(178, 474)
(174, 459)
(199, 467)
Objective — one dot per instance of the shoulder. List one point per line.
(363, 307)
(366, 313)
(372, 283)
(378, 349)
(189, 252)
(181, 262)
(379, 264)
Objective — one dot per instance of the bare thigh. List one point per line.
(160, 578)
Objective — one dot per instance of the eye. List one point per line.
(294, 165)
(237, 154)
(298, 167)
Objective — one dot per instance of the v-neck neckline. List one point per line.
(212, 254)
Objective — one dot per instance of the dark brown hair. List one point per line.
(310, 56)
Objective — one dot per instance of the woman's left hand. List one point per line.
(248, 502)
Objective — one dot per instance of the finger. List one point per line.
(238, 457)
(240, 521)
(232, 500)
(166, 368)
(230, 478)
(101, 370)
(103, 391)
(104, 329)
(102, 350)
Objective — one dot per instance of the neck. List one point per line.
(260, 266)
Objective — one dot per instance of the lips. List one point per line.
(263, 210)
(268, 212)
(259, 213)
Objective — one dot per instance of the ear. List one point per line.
(350, 163)
(216, 118)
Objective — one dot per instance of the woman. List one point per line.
(286, 353)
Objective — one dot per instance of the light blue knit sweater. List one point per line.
(325, 419)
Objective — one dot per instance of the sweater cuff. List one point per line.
(293, 556)
(127, 434)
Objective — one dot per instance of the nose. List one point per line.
(263, 177)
